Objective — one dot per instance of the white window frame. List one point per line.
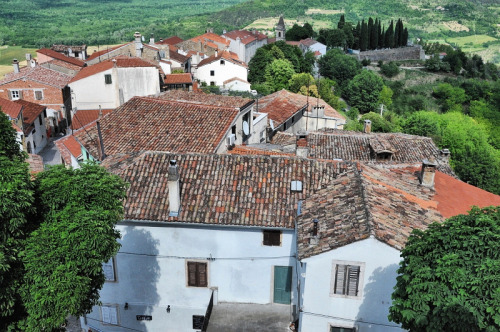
(109, 270)
(18, 92)
(107, 311)
(361, 278)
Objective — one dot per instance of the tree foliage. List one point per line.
(363, 91)
(278, 74)
(449, 278)
(55, 233)
(339, 67)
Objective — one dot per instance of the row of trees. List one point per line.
(366, 35)
(55, 233)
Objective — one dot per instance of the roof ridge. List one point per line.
(191, 102)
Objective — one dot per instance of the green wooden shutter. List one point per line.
(282, 284)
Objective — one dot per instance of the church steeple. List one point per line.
(280, 29)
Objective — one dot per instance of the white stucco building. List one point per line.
(220, 68)
(111, 83)
(34, 126)
(245, 43)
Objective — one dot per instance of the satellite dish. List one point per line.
(246, 128)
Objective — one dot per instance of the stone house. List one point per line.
(245, 43)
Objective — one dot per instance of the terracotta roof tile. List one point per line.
(39, 74)
(235, 79)
(185, 78)
(247, 151)
(282, 104)
(174, 55)
(211, 37)
(10, 108)
(84, 117)
(308, 42)
(30, 111)
(68, 146)
(56, 55)
(221, 189)
(245, 36)
(226, 55)
(163, 125)
(170, 41)
(100, 53)
(36, 163)
(63, 48)
(206, 99)
(60, 63)
(120, 62)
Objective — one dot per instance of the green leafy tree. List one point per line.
(449, 96)
(379, 124)
(300, 80)
(63, 258)
(385, 97)
(423, 123)
(363, 91)
(339, 67)
(390, 69)
(278, 74)
(449, 278)
(257, 65)
(9, 148)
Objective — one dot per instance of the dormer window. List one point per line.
(384, 156)
(15, 94)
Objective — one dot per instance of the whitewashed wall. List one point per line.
(369, 313)
(91, 92)
(151, 273)
(138, 81)
(221, 72)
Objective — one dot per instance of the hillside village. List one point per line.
(244, 213)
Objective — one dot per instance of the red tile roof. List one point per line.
(170, 41)
(235, 79)
(63, 48)
(68, 147)
(120, 62)
(39, 74)
(202, 98)
(36, 163)
(220, 189)
(178, 57)
(56, 55)
(211, 37)
(247, 151)
(162, 125)
(185, 78)
(308, 42)
(99, 53)
(60, 63)
(226, 55)
(84, 117)
(10, 108)
(245, 36)
(30, 110)
(456, 197)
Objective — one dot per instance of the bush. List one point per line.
(365, 62)
(389, 70)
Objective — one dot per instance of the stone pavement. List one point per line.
(50, 153)
(73, 324)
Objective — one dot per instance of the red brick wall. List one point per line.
(52, 96)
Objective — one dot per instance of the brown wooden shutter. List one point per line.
(340, 279)
(266, 238)
(191, 274)
(353, 275)
(202, 275)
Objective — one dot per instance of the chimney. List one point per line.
(445, 154)
(427, 173)
(32, 63)
(138, 44)
(15, 64)
(28, 56)
(254, 31)
(301, 146)
(224, 31)
(174, 192)
(152, 39)
(102, 154)
(368, 127)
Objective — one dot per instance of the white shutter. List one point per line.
(109, 270)
(353, 276)
(105, 315)
(340, 279)
(109, 315)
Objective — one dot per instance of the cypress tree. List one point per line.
(370, 29)
(405, 37)
(363, 40)
(389, 36)
(341, 23)
(401, 34)
(374, 35)
(396, 34)
(381, 34)
(356, 33)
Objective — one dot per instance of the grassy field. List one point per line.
(268, 23)
(312, 11)
(475, 44)
(7, 53)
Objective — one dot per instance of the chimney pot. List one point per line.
(427, 173)
(368, 126)
(15, 64)
(174, 198)
(152, 39)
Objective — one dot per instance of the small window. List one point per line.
(38, 94)
(108, 269)
(197, 274)
(15, 94)
(347, 279)
(198, 321)
(233, 130)
(212, 73)
(40, 119)
(212, 83)
(109, 314)
(107, 79)
(222, 62)
(272, 238)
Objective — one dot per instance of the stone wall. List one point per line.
(395, 54)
